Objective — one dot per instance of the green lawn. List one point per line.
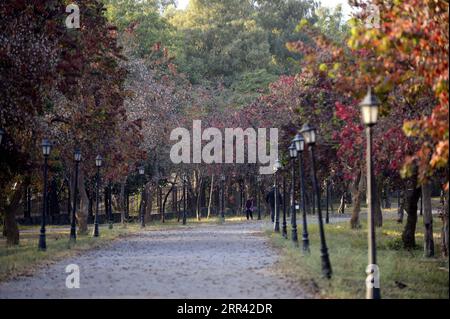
(424, 277)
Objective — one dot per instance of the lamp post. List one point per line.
(46, 148)
(109, 208)
(2, 132)
(222, 197)
(327, 214)
(369, 109)
(299, 142)
(293, 153)
(98, 164)
(258, 187)
(141, 210)
(184, 199)
(284, 224)
(276, 167)
(309, 133)
(73, 229)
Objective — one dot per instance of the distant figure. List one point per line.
(270, 199)
(249, 208)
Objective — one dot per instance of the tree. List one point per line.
(29, 59)
(411, 47)
(392, 59)
(65, 85)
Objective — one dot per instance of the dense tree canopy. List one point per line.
(137, 69)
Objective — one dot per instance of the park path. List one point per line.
(232, 260)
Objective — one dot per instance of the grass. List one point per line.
(425, 278)
(26, 258)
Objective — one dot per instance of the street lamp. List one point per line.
(73, 229)
(98, 164)
(222, 197)
(46, 148)
(284, 224)
(141, 210)
(327, 193)
(258, 188)
(184, 198)
(299, 142)
(2, 132)
(109, 209)
(293, 155)
(309, 133)
(369, 109)
(276, 167)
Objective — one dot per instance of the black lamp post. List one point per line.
(184, 198)
(293, 154)
(369, 109)
(258, 203)
(2, 132)
(276, 168)
(46, 148)
(73, 229)
(222, 197)
(141, 210)
(98, 163)
(299, 142)
(327, 212)
(109, 208)
(309, 133)
(284, 224)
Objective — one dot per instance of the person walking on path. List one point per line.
(249, 208)
(270, 199)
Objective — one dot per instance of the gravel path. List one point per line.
(203, 261)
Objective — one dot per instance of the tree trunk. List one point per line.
(377, 212)
(427, 221)
(341, 209)
(408, 236)
(159, 192)
(356, 191)
(444, 232)
(122, 203)
(10, 228)
(199, 198)
(146, 202)
(175, 201)
(90, 194)
(148, 211)
(331, 197)
(285, 192)
(163, 211)
(69, 186)
(211, 188)
(27, 201)
(83, 210)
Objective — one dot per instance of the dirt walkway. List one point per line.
(207, 261)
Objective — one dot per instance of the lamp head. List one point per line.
(309, 133)
(77, 155)
(299, 142)
(46, 147)
(99, 161)
(369, 108)
(293, 151)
